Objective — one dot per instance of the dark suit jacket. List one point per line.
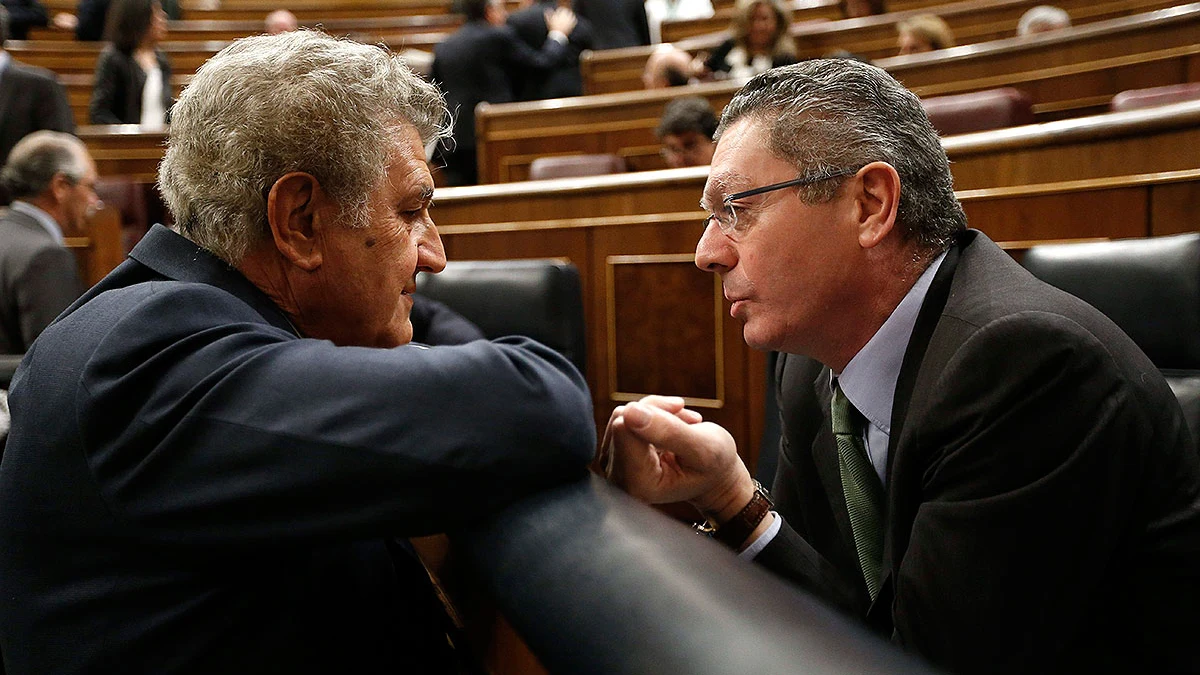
(189, 487)
(117, 90)
(478, 63)
(31, 99)
(717, 61)
(1043, 496)
(434, 323)
(91, 15)
(23, 15)
(616, 23)
(38, 280)
(562, 80)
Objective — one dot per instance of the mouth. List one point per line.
(409, 288)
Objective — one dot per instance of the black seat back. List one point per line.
(1148, 287)
(538, 298)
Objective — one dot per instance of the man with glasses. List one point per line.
(980, 467)
(52, 180)
(686, 132)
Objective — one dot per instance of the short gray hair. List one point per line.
(829, 115)
(269, 105)
(37, 158)
(1043, 18)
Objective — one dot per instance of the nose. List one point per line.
(714, 251)
(431, 255)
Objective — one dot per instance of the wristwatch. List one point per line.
(734, 532)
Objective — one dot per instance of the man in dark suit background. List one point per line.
(53, 184)
(30, 99)
(481, 62)
(217, 453)
(616, 23)
(979, 466)
(559, 81)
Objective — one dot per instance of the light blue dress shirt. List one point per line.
(869, 382)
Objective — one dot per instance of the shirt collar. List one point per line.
(869, 380)
(44, 219)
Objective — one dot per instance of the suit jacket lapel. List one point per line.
(879, 614)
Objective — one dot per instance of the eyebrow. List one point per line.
(719, 184)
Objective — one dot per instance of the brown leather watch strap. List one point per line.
(736, 530)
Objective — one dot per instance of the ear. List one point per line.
(60, 188)
(878, 199)
(294, 207)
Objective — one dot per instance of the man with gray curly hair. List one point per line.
(217, 453)
(979, 466)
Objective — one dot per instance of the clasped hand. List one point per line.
(659, 451)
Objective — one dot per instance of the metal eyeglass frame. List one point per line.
(731, 230)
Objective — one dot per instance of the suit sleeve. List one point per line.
(1029, 454)
(521, 55)
(48, 285)
(54, 109)
(220, 430)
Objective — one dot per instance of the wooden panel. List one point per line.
(664, 330)
(98, 250)
(80, 57)
(1157, 139)
(1174, 208)
(973, 21)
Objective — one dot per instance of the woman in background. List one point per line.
(923, 33)
(760, 40)
(133, 77)
(853, 9)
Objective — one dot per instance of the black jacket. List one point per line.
(117, 90)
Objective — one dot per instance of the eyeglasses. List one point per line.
(726, 215)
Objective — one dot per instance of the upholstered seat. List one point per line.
(979, 111)
(1136, 99)
(575, 165)
(537, 298)
(1148, 287)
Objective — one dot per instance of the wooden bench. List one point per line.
(973, 21)
(512, 135)
(98, 250)
(80, 57)
(79, 92)
(369, 29)
(633, 232)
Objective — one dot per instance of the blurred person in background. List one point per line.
(481, 62)
(615, 23)
(686, 131)
(760, 41)
(52, 180)
(669, 66)
(854, 9)
(280, 21)
(133, 76)
(1043, 19)
(532, 25)
(30, 99)
(923, 33)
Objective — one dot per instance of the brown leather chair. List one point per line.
(1135, 99)
(129, 198)
(979, 111)
(569, 166)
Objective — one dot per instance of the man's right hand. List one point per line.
(562, 20)
(660, 452)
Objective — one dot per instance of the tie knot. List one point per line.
(845, 417)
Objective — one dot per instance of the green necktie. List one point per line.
(864, 494)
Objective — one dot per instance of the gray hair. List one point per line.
(829, 115)
(37, 158)
(269, 105)
(1043, 18)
